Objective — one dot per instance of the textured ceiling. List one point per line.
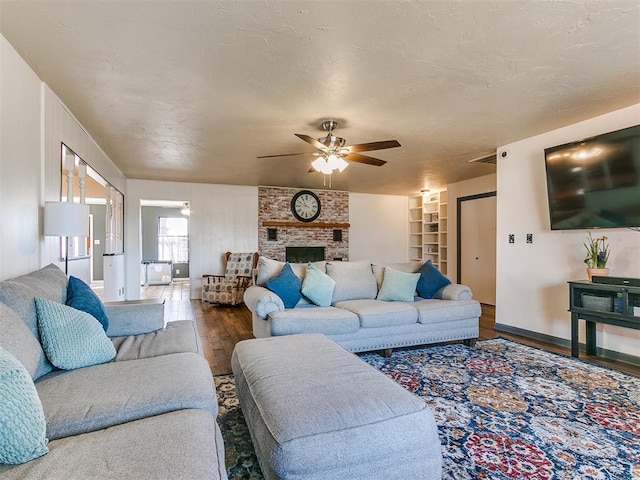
(196, 90)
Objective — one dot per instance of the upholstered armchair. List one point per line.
(229, 288)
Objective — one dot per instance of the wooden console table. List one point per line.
(601, 303)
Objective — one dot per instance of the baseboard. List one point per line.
(561, 342)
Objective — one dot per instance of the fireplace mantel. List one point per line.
(268, 223)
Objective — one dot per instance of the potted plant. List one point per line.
(597, 255)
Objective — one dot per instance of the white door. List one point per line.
(478, 247)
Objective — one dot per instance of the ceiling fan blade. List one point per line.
(356, 157)
(287, 155)
(311, 141)
(366, 147)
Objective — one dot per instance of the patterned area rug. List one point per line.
(504, 411)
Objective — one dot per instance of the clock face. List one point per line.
(305, 206)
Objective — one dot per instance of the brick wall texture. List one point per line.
(274, 204)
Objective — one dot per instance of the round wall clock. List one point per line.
(305, 206)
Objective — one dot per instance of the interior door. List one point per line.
(478, 247)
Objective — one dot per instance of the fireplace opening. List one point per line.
(304, 254)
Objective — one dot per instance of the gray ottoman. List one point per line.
(316, 411)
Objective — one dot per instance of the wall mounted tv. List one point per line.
(595, 183)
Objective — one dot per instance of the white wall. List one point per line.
(20, 167)
(223, 218)
(60, 126)
(532, 290)
(33, 123)
(379, 229)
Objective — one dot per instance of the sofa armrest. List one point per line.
(262, 301)
(454, 291)
(134, 317)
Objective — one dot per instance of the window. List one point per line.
(173, 239)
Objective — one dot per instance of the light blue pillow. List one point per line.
(81, 297)
(398, 286)
(431, 280)
(286, 285)
(317, 286)
(71, 338)
(23, 427)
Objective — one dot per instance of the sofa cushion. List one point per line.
(49, 282)
(326, 320)
(398, 286)
(71, 338)
(22, 422)
(318, 286)
(432, 311)
(177, 337)
(376, 313)
(88, 399)
(81, 297)
(431, 280)
(354, 280)
(22, 343)
(180, 445)
(286, 285)
(18, 294)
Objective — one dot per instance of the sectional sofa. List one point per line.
(148, 412)
(370, 307)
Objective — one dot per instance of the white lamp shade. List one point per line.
(65, 219)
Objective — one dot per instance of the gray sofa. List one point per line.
(148, 413)
(356, 319)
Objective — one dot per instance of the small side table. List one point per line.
(601, 303)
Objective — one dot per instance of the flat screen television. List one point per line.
(595, 182)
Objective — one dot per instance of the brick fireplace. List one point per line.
(279, 229)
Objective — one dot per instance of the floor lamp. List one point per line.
(66, 219)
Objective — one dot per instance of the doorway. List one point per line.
(476, 240)
(164, 244)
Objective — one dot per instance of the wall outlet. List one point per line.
(177, 271)
(512, 238)
(529, 237)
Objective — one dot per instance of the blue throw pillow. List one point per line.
(81, 297)
(317, 286)
(71, 338)
(431, 280)
(23, 427)
(286, 285)
(398, 286)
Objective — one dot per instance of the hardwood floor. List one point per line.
(220, 328)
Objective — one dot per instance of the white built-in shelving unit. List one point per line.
(428, 228)
(415, 228)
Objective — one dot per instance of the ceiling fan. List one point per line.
(334, 154)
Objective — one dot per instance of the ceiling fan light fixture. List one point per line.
(340, 163)
(321, 165)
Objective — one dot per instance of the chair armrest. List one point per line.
(243, 282)
(134, 317)
(454, 291)
(262, 301)
(213, 278)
